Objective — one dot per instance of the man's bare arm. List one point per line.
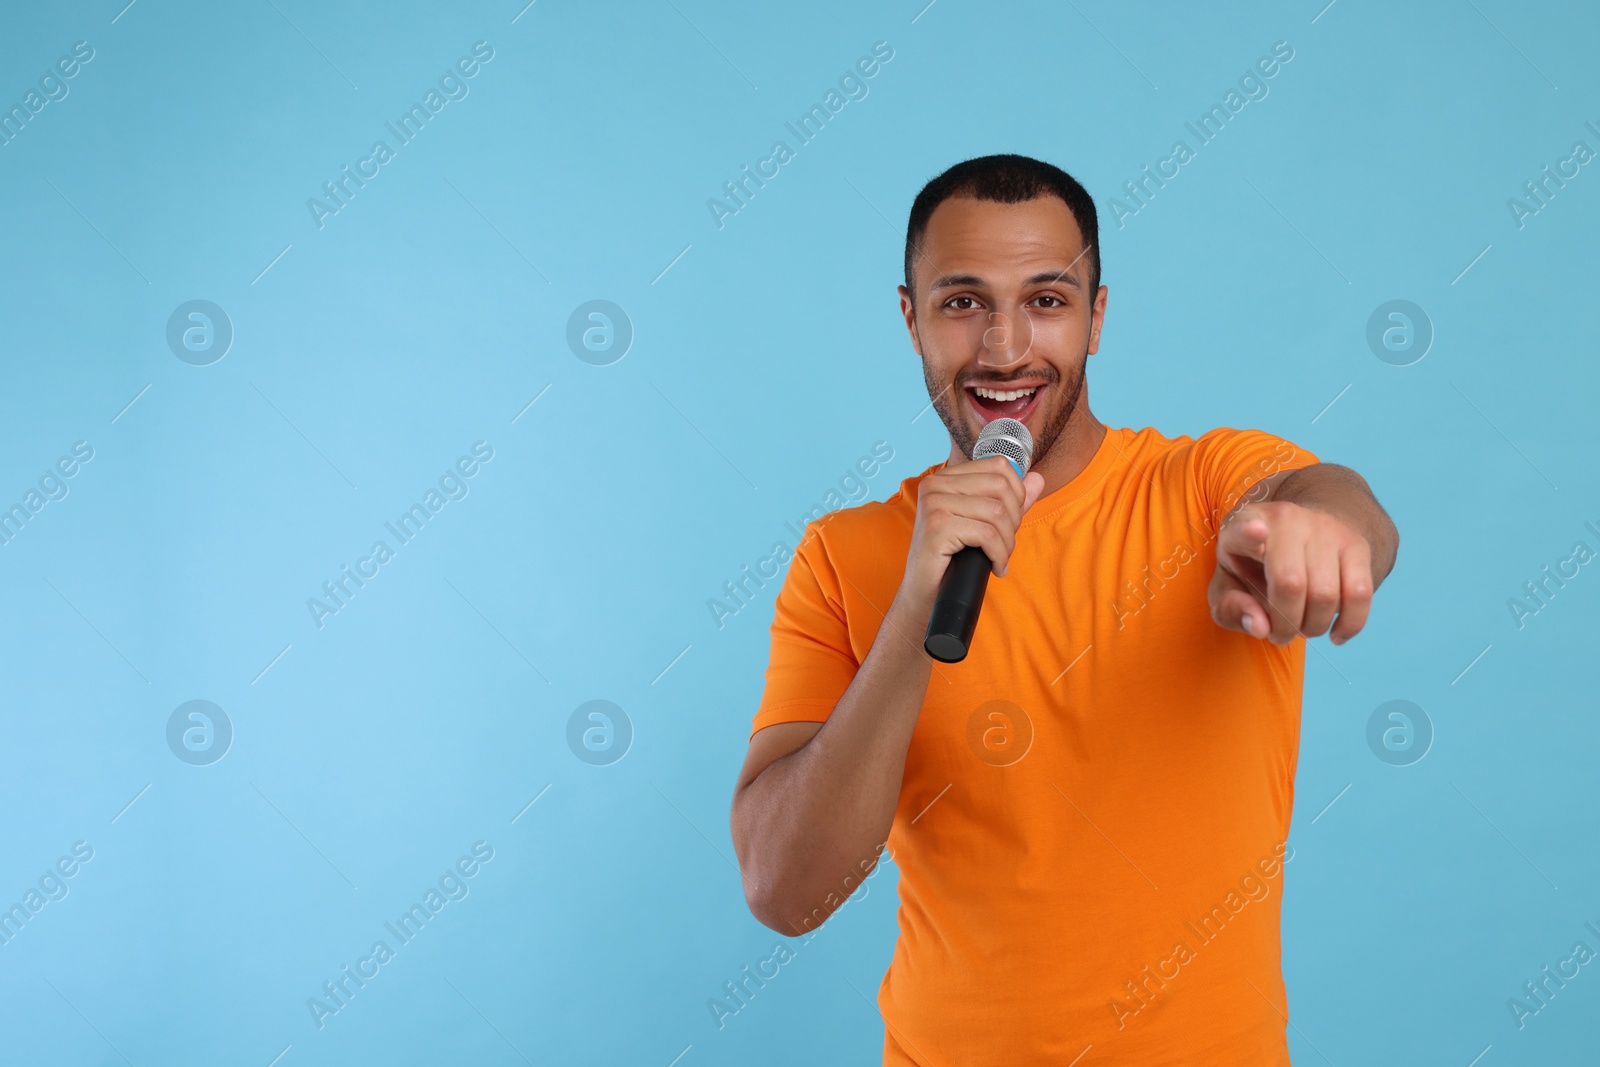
(814, 801)
(813, 804)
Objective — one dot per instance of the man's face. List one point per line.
(1002, 303)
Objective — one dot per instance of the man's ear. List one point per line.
(1097, 317)
(909, 311)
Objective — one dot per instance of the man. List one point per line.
(1089, 812)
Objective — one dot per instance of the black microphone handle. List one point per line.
(955, 610)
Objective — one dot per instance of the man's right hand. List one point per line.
(978, 503)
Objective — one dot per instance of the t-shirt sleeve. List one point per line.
(1225, 463)
(811, 663)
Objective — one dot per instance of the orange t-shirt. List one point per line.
(1091, 827)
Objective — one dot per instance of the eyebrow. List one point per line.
(1048, 277)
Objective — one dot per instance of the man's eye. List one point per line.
(1054, 301)
(954, 300)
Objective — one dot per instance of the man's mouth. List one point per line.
(1015, 401)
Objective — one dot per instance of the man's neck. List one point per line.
(1070, 453)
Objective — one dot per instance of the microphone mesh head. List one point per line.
(1005, 437)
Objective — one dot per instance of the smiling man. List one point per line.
(1089, 812)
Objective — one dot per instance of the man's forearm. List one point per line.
(1344, 494)
(822, 811)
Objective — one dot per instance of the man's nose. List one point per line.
(1007, 338)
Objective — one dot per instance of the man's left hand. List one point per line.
(1284, 570)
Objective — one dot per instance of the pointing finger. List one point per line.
(1245, 534)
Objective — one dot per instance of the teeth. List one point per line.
(996, 394)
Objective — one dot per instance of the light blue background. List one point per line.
(428, 313)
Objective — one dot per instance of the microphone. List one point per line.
(955, 610)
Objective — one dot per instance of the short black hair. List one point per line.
(1006, 179)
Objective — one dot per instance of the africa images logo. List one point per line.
(852, 84)
(452, 87)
